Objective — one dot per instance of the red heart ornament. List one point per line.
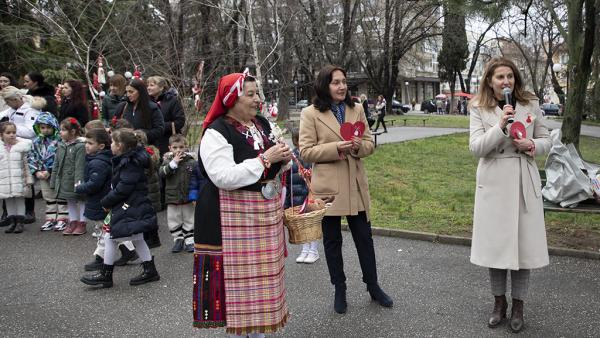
(517, 130)
(349, 130)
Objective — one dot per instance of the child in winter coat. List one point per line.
(69, 169)
(131, 212)
(297, 192)
(181, 173)
(96, 184)
(41, 162)
(14, 174)
(151, 237)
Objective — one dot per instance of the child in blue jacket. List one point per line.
(96, 184)
(131, 212)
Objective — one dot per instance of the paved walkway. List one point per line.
(436, 291)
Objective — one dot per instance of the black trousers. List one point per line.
(380, 120)
(363, 240)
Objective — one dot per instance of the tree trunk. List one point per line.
(580, 45)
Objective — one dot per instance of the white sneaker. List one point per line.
(60, 225)
(302, 257)
(48, 225)
(312, 257)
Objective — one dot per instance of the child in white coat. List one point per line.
(14, 174)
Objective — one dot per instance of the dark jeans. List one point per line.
(380, 120)
(363, 240)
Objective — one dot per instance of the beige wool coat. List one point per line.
(343, 178)
(508, 222)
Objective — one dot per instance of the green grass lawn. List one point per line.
(428, 185)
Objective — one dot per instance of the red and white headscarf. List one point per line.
(231, 87)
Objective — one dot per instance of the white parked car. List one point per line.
(302, 104)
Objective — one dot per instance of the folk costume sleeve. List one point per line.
(217, 157)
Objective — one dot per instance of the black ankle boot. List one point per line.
(12, 226)
(152, 239)
(516, 317)
(378, 295)
(94, 265)
(6, 221)
(499, 312)
(19, 224)
(339, 302)
(149, 274)
(126, 256)
(102, 277)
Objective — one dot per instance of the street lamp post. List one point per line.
(407, 91)
(296, 93)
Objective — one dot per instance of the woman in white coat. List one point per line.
(508, 223)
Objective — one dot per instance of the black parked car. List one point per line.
(399, 108)
(428, 106)
(551, 109)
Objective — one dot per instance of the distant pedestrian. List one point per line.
(380, 106)
(365, 104)
(509, 233)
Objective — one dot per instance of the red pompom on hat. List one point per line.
(231, 87)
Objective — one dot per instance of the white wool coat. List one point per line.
(14, 172)
(508, 222)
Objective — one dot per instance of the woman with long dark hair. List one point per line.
(144, 115)
(141, 112)
(36, 86)
(74, 103)
(338, 170)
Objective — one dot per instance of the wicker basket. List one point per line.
(303, 228)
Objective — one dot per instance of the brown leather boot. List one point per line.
(499, 312)
(516, 317)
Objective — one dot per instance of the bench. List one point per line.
(589, 206)
(389, 122)
(424, 120)
(375, 134)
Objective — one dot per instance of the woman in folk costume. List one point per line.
(508, 223)
(239, 239)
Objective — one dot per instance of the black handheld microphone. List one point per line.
(508, 100)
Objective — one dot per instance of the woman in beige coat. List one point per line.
(508, 224)
(339, 171)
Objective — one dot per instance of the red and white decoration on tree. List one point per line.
(197, 89)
